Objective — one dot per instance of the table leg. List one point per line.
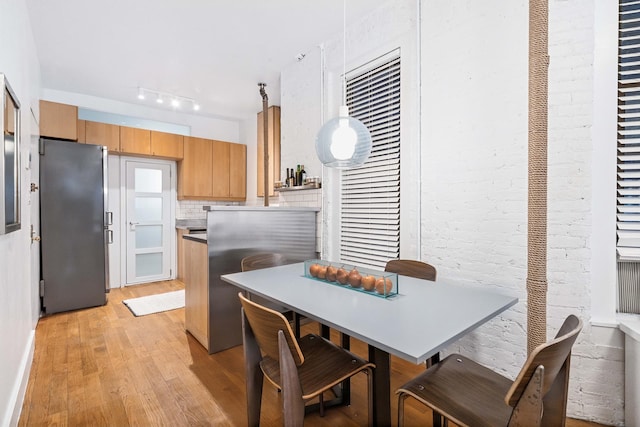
(346, 384)
(325, 331)
(381, 386)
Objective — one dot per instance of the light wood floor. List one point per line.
(105, 367)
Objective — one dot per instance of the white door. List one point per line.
(148, 222)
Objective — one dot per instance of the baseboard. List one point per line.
(20, 387)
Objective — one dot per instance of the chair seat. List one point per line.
(464, 391)
(325, 366)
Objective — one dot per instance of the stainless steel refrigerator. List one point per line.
(74, 225)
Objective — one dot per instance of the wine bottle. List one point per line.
(298, 176)
(286, 178)
(302, 174)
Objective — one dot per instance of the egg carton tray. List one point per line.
(360, 279)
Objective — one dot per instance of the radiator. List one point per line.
(629, 287)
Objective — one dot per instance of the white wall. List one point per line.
(18, 297)
(471, 136)
(475, 180)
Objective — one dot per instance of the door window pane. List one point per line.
(148, 236)
(148, 264)
(148, 181)
(148, 209)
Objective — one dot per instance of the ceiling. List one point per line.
(213, 51)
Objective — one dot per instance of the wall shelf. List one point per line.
(299, 187)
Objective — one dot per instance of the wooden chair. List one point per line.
(408, 267)
(262, 260)
(266, 260)
(471, 395)
(419, 270)
(302, 369)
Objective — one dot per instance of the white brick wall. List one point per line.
(472, 140)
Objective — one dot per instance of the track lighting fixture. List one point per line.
(175, 101)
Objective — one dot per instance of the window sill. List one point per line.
(630, 325)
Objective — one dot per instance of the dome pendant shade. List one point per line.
(343, 142)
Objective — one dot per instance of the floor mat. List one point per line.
(155, 303)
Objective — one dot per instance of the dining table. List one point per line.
(416, 323)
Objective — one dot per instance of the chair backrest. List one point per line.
(552, 355)
(263, 260)
(408, 267)
(265, 324)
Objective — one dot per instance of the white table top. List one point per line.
(423, 319)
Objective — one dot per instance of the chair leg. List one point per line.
(293, 405)
(369, 373)
(254, 376)
(401, 398)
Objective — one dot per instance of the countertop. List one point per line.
(198, 237)
(191, 224)
(260, 208)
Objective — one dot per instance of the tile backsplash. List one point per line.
(192, 209)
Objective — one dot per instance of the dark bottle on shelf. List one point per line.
(302, 174)
(292, 179)
(298, 176)
(286, 178)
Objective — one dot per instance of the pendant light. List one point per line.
(343, 142)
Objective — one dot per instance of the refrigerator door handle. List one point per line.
(109, 219)
(109, 237)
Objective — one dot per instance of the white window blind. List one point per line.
(628, 173)
(370, 194)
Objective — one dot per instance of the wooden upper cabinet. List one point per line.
(238, 171)
(273, 143)
(220, 169)
(167, 145)
(194, 171)
(82, 134)
(135, 140)
(58, 120)
(103, 134)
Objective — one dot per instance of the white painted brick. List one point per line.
(473, 145)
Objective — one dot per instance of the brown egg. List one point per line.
(332, 273)
(354, 278)
(368, 282)
(313, 270)
(342, 276)
(383, 285)
(322, 272)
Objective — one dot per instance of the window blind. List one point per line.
(370, 194)
(628, 171)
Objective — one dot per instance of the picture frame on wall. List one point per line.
(9, 159)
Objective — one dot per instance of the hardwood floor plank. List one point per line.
(105, 367)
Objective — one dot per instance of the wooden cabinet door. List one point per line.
(238, 171)
(196, 290)
(194, 171)
(103, 134)
(220, 169)
(273, 144)
(58, 120)
(167, 145)
(82, 137)
(135, 140)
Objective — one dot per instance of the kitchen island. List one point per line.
(212, 308)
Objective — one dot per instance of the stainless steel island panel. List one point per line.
(236, 232)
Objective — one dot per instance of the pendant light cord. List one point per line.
(344, 52)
